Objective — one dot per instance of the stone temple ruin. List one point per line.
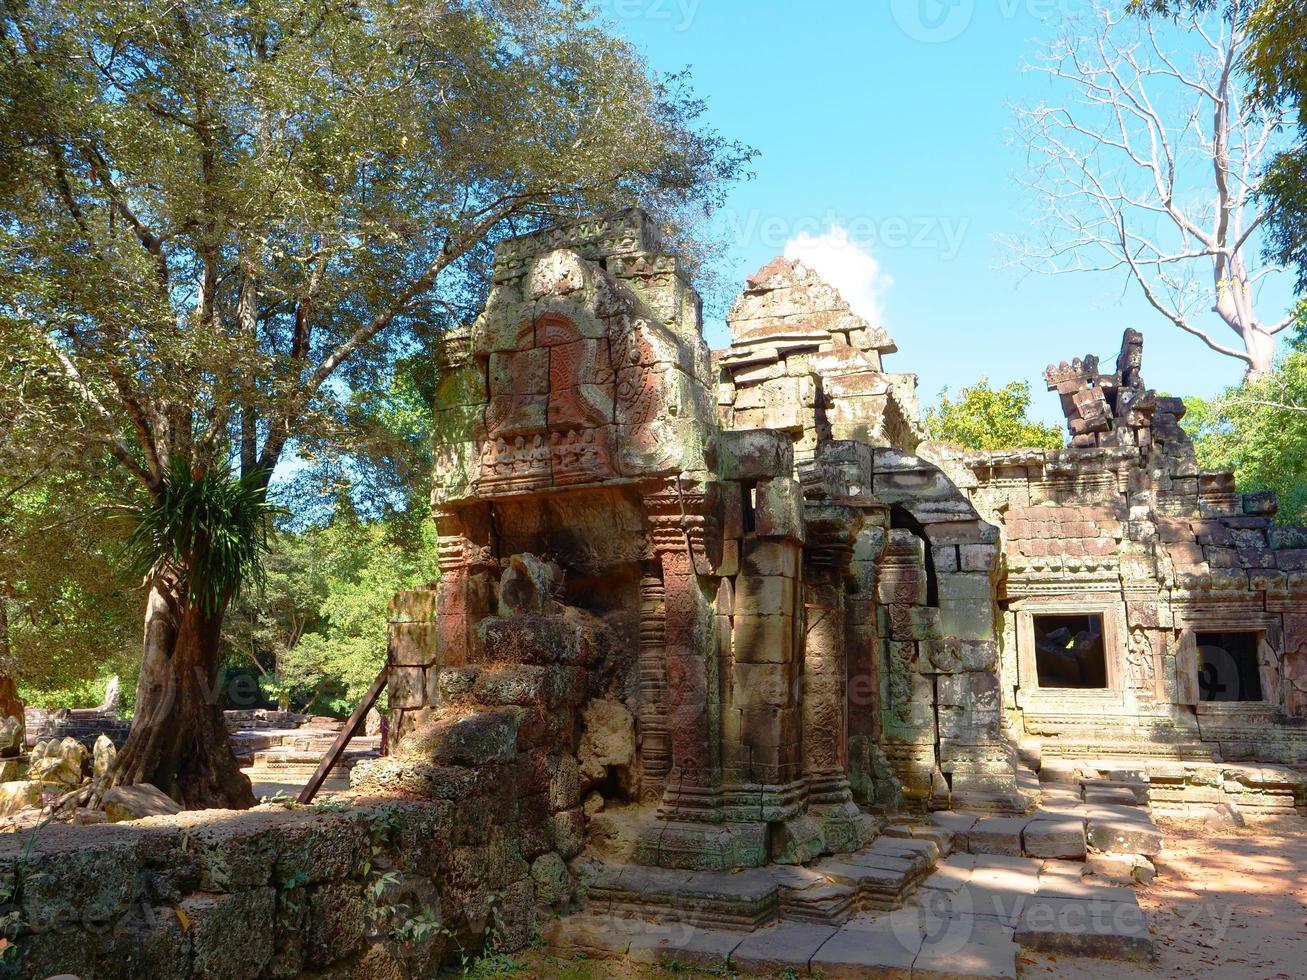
(805, 608)
(707, 611)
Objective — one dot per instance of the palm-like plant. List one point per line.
(209, 529)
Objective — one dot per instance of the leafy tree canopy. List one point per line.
(218, 219)
(69, 614)
(981, 417)
(319, 627)
(1259, 431)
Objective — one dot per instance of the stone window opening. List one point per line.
(749, 505)
(900, 518)
(1229, 666)
(1070, 652)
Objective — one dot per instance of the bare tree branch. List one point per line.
(1149, 169)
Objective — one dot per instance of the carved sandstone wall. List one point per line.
(1201, 598)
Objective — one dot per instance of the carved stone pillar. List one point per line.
(872, 779)
(691, 832)
(691, 700)
(832, 532)
(655, 743)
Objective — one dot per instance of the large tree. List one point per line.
(66, 608)
(222, 217)
(1259, 430)
(1276, 65)
(1147, 160)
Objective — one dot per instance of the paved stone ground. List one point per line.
(965, 921)
(1226, 904)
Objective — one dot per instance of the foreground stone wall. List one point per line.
(383, 889)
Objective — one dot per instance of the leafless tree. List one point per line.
(1146, 164)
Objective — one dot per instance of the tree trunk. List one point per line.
(1261, 348)
(178, 740)
(11, 706)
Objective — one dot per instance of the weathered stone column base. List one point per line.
(796, 840)
(844, 827)
(830, 801)
(763, 802)
(694, 846)
(872, 778)
(998, 793)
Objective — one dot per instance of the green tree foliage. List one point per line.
(220, 222)
(69, 614)
(1259, 430)
(208, 531)
(1277, 62)
(981, 417)
(319, 626)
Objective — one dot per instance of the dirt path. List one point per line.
(1227, 904)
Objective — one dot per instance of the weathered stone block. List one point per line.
(529, 640)
(472, 740)
(413, 606)
(790, 946)
(778, 509)
(967, 619)
(337, 919)
(1055, 838)
(514, 684)
(953, 656)
(1123, 830)
(769, 558)
(221, 924)
(765, 595)
(754, 454)
(123, 803)
(413, 644)
(996, 835)
(763, 639)
(407, 686)
(1113, 928)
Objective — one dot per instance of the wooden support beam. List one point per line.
(356, 723)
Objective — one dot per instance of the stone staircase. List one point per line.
(881, 876)
(282, 760)
(958, 916)
(1193, 786)
(956, 895)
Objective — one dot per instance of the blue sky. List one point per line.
(891, 119)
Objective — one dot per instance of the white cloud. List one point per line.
(847, 266)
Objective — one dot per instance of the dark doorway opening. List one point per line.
(1070, 653)
(1229, 666)
(901, 519)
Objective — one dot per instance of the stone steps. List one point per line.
(1118, 840)
(969, 920)
(881, 876)
(885, 873)
(1185, 785)
(742, 901)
